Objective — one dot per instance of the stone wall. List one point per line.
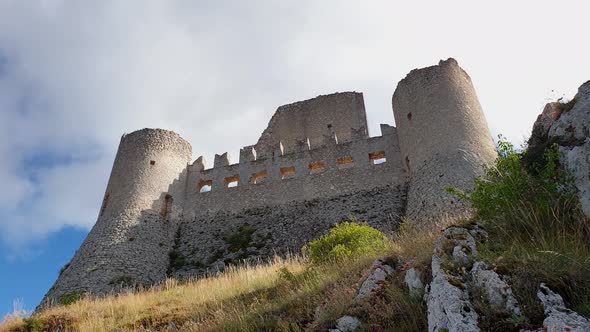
(318, 173)
(205, 242)
(317, 120)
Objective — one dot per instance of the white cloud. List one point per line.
(76, 75)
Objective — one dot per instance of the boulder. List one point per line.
(414, 282)
(379, 272)
(449, 307)
(559, 318)
(448, 303)
(347, 323)
(571, 130)
(497, 291)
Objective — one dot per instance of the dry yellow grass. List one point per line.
(281, 295)
(200, 299)
(413, 242)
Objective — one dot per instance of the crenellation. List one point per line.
(221, 160)
(387, 129)
(313, 166)
(247, 153)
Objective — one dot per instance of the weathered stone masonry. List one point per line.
(313, 166)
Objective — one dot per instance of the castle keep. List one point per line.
(313, 166)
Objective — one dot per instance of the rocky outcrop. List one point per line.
(568, 125)
(559, 318)
(497, 292)
(379, 273)
(450, 295)
(346, 324)
(413, 280)
(449, 306)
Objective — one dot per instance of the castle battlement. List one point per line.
(322, 171)
(313, 166)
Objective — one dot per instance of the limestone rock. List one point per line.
(559, 318)
(574, 125)
(448, 305)
(379, 273)
(459, 255)
(577, 160)
(572, 132)
(413, 281)
(497, 291)
(462, 237)
(543, 124)
(478, 233)
(347, 323)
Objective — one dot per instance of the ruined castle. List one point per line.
(315, 165)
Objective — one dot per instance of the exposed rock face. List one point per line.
(498, 292)
(347, 324)
(568, 125)
(375, 281)
(414, 281)
(448, 299)
(379, 273)
(559, 318)
(449, 295)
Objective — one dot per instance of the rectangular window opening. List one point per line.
(152, 162)
(205, 186)
(287, 172)
(377, 158)
(345, 162)
(232, 181)
(317, 167)
(259, 177)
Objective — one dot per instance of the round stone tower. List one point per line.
(444, 138)
(130, 242)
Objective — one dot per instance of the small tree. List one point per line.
(346, 240)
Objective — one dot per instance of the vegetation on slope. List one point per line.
(538, 232)
(291, 294)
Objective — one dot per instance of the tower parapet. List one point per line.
(443, 135)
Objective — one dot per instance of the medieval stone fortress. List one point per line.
(315, 165)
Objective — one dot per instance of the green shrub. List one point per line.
(510, 182)
(240, 239)
(124, 281)
(346, 240)
(33, 325)
(176, 260)
(70, 298)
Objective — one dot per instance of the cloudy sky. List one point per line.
(76, 75)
